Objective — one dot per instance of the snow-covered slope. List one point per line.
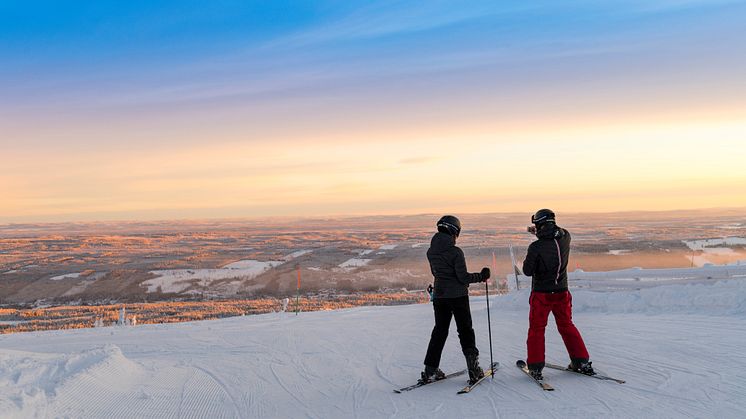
(637, 278)
(678, 362)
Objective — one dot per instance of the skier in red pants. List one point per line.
(546, 262)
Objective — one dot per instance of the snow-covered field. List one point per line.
(680, 347)
(619, 252)
(715, 243)
(637, 278)
(180, 280)
(354, 263)
(65, 276)
(297, 254)
(358, 262)
(714, 247)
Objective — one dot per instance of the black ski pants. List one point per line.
(445, 308)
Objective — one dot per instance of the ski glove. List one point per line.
(485, 274)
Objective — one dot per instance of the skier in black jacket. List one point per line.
(450, 298)
(546, 262)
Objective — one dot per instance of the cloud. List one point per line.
(670, 5)
(353, 51)
(395, 18)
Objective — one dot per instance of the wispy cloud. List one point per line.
(395, 18)
(348, 50)
(669, 5)
(417, 160)
(353, 105)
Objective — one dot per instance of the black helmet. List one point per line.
(450, 225)
(543, 216)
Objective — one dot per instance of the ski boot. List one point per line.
(534, 370)
(431, 374)
(535, 373)
(582, 366)
(472, 364)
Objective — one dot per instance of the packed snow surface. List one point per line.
(679, 347)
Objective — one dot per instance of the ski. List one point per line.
(544, 385)
(488, 373)
(420, 383)
(596, 375)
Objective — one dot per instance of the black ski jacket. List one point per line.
(448, 266)
(546, 260)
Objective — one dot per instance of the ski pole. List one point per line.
(297, 295)
(489, 325)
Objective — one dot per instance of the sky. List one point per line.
(190, 109)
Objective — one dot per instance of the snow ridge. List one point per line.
(33, 380)
(725, 298)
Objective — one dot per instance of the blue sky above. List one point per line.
(107, 79)
(88, 45)
(113, 59)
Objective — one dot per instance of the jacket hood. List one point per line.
(441, 242)
(551, 231)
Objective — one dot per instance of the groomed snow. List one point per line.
(680, 348)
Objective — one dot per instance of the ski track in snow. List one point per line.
(345, 364)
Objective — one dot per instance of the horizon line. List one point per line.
(352, 216)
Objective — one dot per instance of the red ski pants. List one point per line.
(559, 304)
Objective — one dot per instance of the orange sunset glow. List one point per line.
(463, 114)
